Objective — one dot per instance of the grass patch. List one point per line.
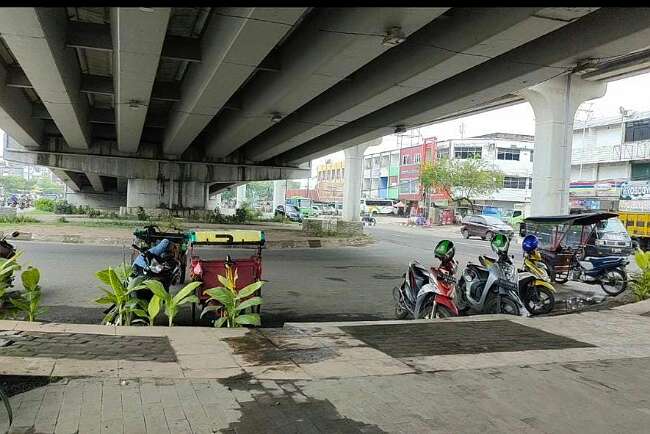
(19, 219)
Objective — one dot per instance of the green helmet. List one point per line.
(444, 250)
(500, 243)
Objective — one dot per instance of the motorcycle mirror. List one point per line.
(14, 234)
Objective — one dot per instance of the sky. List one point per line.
(632, 93)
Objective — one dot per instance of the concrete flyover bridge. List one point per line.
(163, 106)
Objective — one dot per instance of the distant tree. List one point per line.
(462, 180)
(262, 190)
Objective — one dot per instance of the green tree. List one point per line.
(260, 190)
(461, 180)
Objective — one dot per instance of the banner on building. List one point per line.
(635, 190)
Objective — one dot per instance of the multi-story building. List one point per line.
(411, 158)
(381, 175)
(510, 153)
(608, 155)
(330, 181)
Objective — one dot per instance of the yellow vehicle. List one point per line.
(637, 225)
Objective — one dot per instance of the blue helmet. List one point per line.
(529, 243)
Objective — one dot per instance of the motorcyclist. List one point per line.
(160, 250)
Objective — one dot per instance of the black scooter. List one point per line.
(7, 250)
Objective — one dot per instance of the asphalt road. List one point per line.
(353, 283)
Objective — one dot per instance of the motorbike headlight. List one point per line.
(156, 267)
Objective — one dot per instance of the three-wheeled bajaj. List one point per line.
(565, 242)
(207, 250)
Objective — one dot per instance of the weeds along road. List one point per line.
(303, 284)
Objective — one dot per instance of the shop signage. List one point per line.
(635, 190)
(634, 205)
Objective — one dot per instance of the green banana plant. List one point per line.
(30, 302)
(7, 269)
(118, 293)
(232, 302)
(146, 310)
(171, 304)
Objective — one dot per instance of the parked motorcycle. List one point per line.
(493, 286)
(607, 271)
(535, 288)
(155, 263)
(158, 263)
(428, 293)
(7, 250)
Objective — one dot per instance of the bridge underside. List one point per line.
(201, 98)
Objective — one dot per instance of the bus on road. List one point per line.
(378, 206)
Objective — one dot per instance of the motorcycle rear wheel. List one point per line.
(508, 306)
(439, 312)
(545, 303)
(614, 282)
(400, 312)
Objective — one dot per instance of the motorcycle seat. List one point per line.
(604, 261)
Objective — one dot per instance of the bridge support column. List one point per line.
(555, 103)
(153, 193)
(241, 195)
(279, 193)
(352, 182)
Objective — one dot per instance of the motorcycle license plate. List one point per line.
(617, 250)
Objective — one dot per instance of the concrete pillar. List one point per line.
(279, 193)
(555, 103)
(352, 180)
(241, 195)
(212, 202)
(152, 193)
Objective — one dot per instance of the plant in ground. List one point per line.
(29, 303)
(119, 294)
(171, 304)
(640, 281)
(147, 311)
(44, 204)
(7, 269)
(233, 302)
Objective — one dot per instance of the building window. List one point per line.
(514, 182)
(368, 163)
(375, 162)
(394, 159)
(417, 158)
(428, 156)
(442, 153)
(404, 160)
(507, 154)
(530, 183)
(467, 152)
(531, 156)
(637, 130)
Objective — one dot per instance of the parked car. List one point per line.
(290, 211)
(316, 211)
(484, 226)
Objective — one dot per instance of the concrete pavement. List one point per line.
(575, 373)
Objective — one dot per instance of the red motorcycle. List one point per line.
(428, 293)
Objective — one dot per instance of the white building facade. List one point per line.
(608, 155)
(510, 153)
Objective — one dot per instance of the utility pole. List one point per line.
(588, 112)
